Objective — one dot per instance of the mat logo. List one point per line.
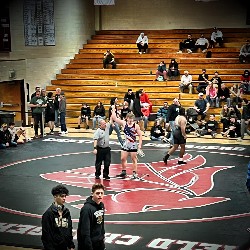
(182, 186)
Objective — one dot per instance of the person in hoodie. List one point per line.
(57, 223)
(62, 110)
(91, 232)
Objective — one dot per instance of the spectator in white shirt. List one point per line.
(142, 43)
(216, 37)
(186, 82)
(202, 43)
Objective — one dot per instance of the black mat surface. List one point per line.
(203, 204)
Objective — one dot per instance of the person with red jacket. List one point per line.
(144, 99)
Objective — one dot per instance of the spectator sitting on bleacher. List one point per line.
(244, 52)
(201, 105)
(188, 44)
(125, 110)
(162, 114)
(224, 117)
(202, 43)
(109, 58)
(98, 114)
(5, 137)
(157, 132)
(173, 70)
(245, 119)
(130, 97)
(216, 80)
(211, 95)
(245, 82)
(186, 82)
(142, 43)
(161, 71)
(210, 128)
(85, 116)
(203, 81)
(233, 130)
(236, 96)
(233, 111)
(224, 95)
(144, 99)
(216, 37)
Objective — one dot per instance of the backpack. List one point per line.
(160, 78)
(51, 106)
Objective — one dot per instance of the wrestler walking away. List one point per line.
(179, 137)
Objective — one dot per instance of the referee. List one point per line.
(102, 150)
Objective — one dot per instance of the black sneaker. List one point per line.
(78, 127)
(165, 158)
(122, 175)
(87, 127)
(97, 177)
(107, 178)
(182, 162)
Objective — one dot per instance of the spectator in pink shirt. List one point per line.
(211, 95)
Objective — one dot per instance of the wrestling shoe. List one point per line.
(165, 158)
(181, 162)
(122, 175)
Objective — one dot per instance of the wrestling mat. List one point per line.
(203, 204)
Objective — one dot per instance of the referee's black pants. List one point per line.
(103, 154)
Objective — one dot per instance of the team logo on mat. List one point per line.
(161, 187)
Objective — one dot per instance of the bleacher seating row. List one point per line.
(84, 80)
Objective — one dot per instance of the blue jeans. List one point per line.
(117, 130)
(172, 126)
(152, 138)
(56, 117)
(145, 120)
(63, 122)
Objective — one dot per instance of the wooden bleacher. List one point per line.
(84, 80)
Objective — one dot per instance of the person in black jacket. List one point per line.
(210, 128)
(173, 70)
(57, 223)
(173, 112)
(91, 232)
(245, 119)
(56, 105)
(161, 71)
(188, 44)
(85, 116)
(157, 133)
(203, 82)
(137, 108)
(130, 97)
(98, 114)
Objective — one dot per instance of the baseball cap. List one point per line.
(200, 94)
(4, 125)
